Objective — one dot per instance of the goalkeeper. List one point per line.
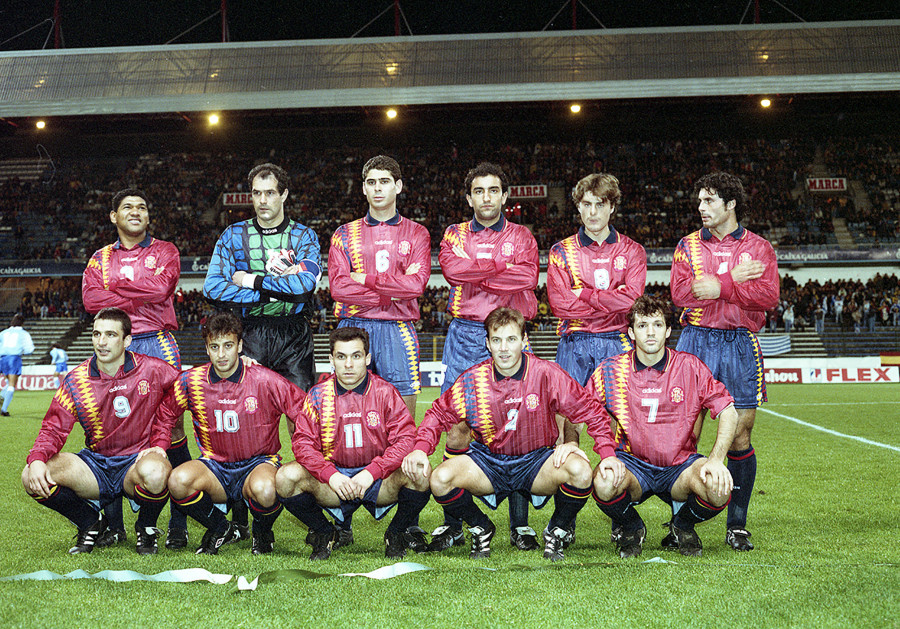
(269, 267)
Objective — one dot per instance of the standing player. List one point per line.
(269, 267)
(377, 269)
(14, 341)
(138, 274)
(593, 278)
(726, 278)
(510, 403)
(655, 397)
(60, 360)
(352, 436)
(237, 409)
(488, 262)
(115, 396)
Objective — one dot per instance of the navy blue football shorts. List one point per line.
(159, 344)
(369, 500)
(655, 480)
(394, 346)
(232, 476)
(509, 473)
(109, 471)
(734, 358)
(579, 353)
(465, 346)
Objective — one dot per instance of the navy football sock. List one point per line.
(694, 512)
(458, 504)
(568, 500)
(178, 453)
(742, 465)
(113, 512)
(409, 504)
(264, 517)
(305, 508)
(65, 501)
(151, 506)
(621, 512)
(518, 509)
(201, 507)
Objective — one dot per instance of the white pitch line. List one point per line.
(831, 432)
(881, 402)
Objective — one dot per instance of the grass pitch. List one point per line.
(825, 519)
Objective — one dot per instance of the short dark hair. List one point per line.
(647, 306)
(486, 169)
(727, 186)
(343, 335)
(501, 316)
(128, 192)
(382, 162)
(269, 170)
(116, 314)
(601, 185)
(17, 320)
(222, 324)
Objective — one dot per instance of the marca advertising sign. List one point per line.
(826, 184)
(236, 198)
(537, 191)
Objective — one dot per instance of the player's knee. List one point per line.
(603, 486)
(287, 479)
(442, 479)
(179, 482)
(154, 476)
(578, 471)
(262, 492)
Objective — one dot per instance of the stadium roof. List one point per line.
(577, 65)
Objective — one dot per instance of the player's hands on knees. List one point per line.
(342, 486)
(562, 452)
(612, 470)
(362, 481)
(153, 450)
(716, 478)
(37, 480)
(416, 465)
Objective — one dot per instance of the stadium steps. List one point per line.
(46, 332)
(23, 169)
(842, 234)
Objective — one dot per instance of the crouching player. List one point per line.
(236, 409)
(655, 396)
(115, 395)
(510, 403)
(349, 442)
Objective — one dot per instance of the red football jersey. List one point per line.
(120, 414)
(741, 305)
(515, 415)
(483, 282)
(383, 251)
(369, 427)
(237, 418)
(656, 410)
(141, 281)
(611, 275)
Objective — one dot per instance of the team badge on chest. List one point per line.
(251, 404)
(676, 395)
(143, 387)
(507, 249)
(372, 419)
(150, 262)
(619, 263)
(531, 401)
(404, 248)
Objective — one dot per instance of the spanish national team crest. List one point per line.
(619, 263)
(507, 249)
(531, 401)
(251, 404)
(676, 395)
(745, 257)
(372, 419)
(150, 262)
(405, 247)
(143, 387)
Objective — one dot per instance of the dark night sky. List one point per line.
(93, 23)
